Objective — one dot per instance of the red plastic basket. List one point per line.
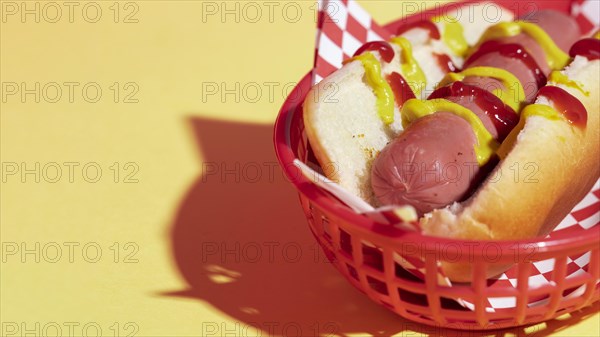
(365, 252)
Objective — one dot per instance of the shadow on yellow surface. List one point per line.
(241, 243)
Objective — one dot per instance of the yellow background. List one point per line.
(260, 268)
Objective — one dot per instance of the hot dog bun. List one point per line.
(344, 133)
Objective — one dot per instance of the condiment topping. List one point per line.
(513, 94)
(383, 91)
(385, 50)
(453, 36)
(401, 89)
(511, 50)
(414, 109)
(565, 106)
(410, 67)
(560, 78)
(445, 63)
(556, 58)
(589, 48)
(502, 116)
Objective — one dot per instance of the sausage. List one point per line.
(532, 47)
(515, 66)
(470, 103)
(412, 170)
(562, 28)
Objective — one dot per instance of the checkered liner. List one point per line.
(343, 26)
(587, 14)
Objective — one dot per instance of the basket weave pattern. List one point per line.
(375, 272)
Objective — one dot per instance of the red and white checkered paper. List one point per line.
(344, 26)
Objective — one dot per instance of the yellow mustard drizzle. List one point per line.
(542, 110)
(514, 93)
(412, 72)
(453, 36)
(383, 91)
(414, 109)
(556, 58)
(560, 78)
(597, 35)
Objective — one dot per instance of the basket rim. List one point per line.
(385, 234)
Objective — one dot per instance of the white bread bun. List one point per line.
(558, 164)
(344, 129)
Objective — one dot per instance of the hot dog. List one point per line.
(430, 185)
(558, 137)
(353, 113)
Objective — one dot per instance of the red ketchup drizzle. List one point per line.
(401, 89)
(566, 104)
(503, 116)
(445, 62)
(589, 48)
(511, 50)
(385, 50)
(434, 33)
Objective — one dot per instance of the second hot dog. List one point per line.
(428, 165)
